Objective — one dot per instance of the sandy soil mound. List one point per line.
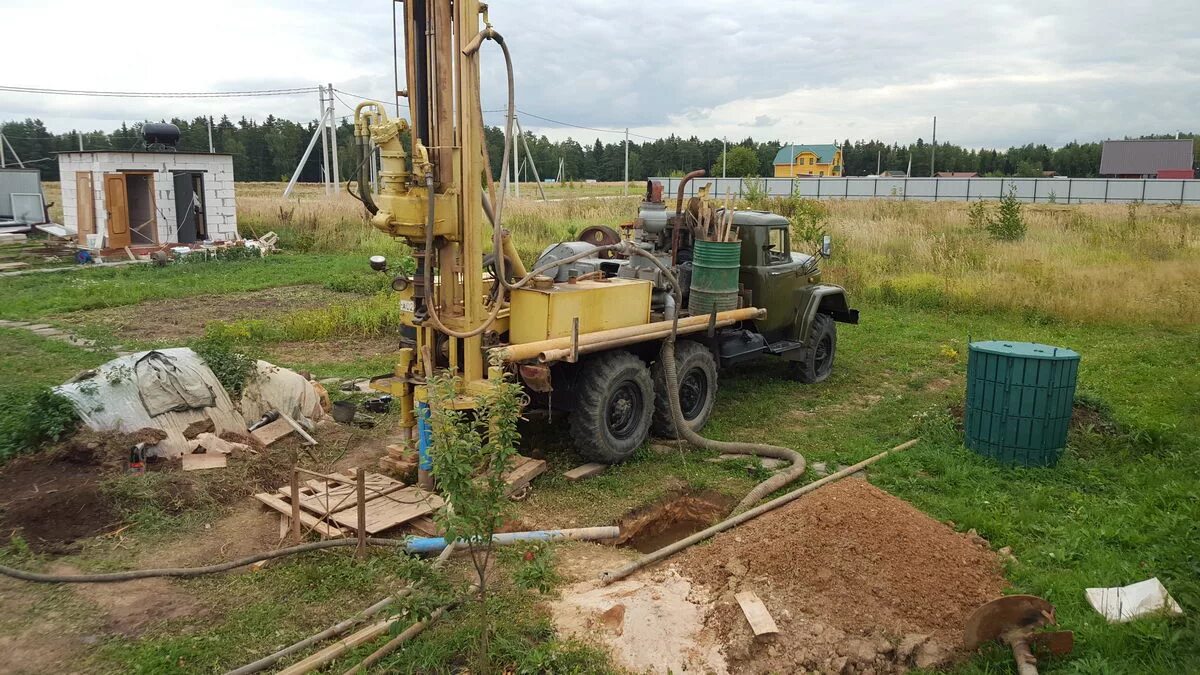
(856, 579)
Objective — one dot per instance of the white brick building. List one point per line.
(142, 198)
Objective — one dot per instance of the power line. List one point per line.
(146, 94)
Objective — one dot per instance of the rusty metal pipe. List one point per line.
(682, 184)
(531, 350)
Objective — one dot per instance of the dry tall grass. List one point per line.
(1107, 263)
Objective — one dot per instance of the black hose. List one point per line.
(188, 572)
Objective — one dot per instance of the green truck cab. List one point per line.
(802, 312)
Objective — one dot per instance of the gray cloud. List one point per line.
(995, 74)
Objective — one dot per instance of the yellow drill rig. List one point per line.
(589, 320)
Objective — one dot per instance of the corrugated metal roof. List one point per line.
(824, 153)
(1145, 157)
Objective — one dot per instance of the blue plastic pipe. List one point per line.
(436, 544)
(424, 438)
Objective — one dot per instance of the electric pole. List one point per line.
(933, 152)
(724, 154)
(79, 134)
(626, 161)
(516, 159)
(337, 174)
(324, 141)
(210, 143)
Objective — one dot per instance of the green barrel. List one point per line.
(1019, 399)
(714, 276)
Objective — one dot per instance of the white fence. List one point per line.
(1039, 190)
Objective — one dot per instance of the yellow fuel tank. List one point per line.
(544, 313)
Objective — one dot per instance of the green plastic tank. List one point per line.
(1019, 400)
(715, 266)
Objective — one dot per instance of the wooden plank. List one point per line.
(204, 460)
(756, 613)
(339, 497)
(308, 520)
(13, 265)
(585, 471)
(523, 473)
(425, 525)
(391, 510)
(272, 432)
(298, 429)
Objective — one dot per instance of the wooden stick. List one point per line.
(299, 429)
(296, 506)
(361, 485)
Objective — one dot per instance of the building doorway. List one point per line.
(191, 216)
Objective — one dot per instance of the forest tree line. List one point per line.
(269, 151)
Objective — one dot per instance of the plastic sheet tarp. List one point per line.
(170, 389)
(1126, 603)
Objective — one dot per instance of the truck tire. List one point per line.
(818, 359)
(697, 371)
(615, 401)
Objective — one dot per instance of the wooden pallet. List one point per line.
(390, 510)
(323, 498)
(308, 520)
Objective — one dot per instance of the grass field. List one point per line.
(1119, 284)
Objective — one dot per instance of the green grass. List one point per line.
(38, 295)
(1121, 507)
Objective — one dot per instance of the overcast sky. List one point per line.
(995, 73)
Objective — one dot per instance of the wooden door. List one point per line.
(85, 205)
(116, 203)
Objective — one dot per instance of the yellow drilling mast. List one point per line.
(583, 330)
(440, 184)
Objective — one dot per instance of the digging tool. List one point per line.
(1015, 620)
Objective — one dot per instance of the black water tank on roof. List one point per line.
(160, 133)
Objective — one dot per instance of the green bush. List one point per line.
(1008, 224)
(32, 419)
(230, 363)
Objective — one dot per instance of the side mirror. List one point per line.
(378, 263)
(826, 246)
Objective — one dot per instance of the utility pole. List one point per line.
(529, 161)
(5, 142)
(878, 161)
(211, 150)
(79, 135)
(516, 159)
(933, 152)
(626, 161)
(724, 154)
(324, 141)
(333, 124)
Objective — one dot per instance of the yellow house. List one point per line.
(808, 160)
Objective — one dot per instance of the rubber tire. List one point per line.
(810, 370)
(602, 377)
(689, 356)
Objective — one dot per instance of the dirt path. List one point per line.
(178, 318)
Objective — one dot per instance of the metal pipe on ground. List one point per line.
(430, 544)
(337, 629)
(531, 350)
(667, 551)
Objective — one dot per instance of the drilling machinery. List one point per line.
(581, 330)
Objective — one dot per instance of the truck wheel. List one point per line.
(697, 371)
(615, 401)
(818, 359)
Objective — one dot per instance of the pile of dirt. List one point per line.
(857, 581)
